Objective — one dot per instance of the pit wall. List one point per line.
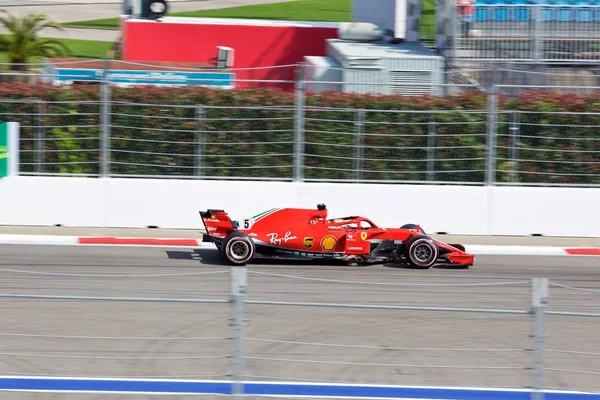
(166, 203)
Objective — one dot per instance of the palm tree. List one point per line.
(23, 41)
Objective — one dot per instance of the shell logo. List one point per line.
(329, 243)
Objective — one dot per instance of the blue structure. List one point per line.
(280, 389)
(551, 10)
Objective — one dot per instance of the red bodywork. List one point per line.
(309, 233)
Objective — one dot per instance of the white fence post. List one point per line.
(299, 112)
(199, 139)
(492, 136)
(358, 143)
(515, 132)
(431, 148)
(239, 277)
(105, 101)
(539, 300)
(39, 136)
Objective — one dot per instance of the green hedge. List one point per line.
(250, 133)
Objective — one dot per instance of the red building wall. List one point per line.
(254, 45)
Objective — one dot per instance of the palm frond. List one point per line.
(38, 22)
(10, 22)
(24, 41)
(43, 46)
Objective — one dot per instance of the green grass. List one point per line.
(79, 48)
(107, 23)
(299, 10)
(88, 48)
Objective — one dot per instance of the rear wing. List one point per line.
(217, 223)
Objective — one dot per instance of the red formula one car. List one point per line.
(296, 233)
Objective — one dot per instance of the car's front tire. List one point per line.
(421, 252)
(413, 226)
(238, 248)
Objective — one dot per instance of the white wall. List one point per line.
(548, 211)
(390, 14)
(379, 12)
(175, 204)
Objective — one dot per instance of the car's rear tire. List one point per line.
(421, 252)
(413, 226)
(238, 248)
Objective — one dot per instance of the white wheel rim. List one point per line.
(422, 252)
(239, 250)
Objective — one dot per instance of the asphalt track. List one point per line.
(394, 342)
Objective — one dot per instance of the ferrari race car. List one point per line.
(296, 233)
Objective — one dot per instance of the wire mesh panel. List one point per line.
(331, 143)
(27, 114)
(149, 139)
(201, 141)
(124, 340)
(572, 351)
(56, 137)
(70, 136)
(155, 318)
(516, 139)
(456, 146)
(395, 146)
(248, 142)
(350, 331)
(384, 145)
(569, 31)
(496, 31)
(125, 319)
(529, 32)
(548, 148)
(523, 78)
(383, 346)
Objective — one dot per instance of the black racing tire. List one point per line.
(458, 246)
(238, 248)
(421, 252)
(413, 226)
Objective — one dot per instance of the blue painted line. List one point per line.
(382, 392)
(373, 391)
(273, 388)
(114, 385)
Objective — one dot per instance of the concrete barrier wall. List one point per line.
(548, 211)
(87, 202)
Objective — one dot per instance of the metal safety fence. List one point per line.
(254, 325)
(552, 31)
(492, 143)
